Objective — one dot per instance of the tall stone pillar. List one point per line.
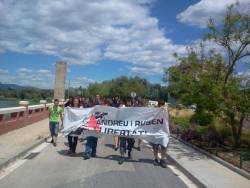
(59, 88)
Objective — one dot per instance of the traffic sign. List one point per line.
(133, 94)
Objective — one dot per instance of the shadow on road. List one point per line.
(65, 153)
(110, 146)
(108, 157)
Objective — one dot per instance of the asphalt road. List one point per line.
(51, 167)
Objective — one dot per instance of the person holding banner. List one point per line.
(91, 145)
(115, 103)
(73, 136)
(126, 143)
(160, 148)
(150, 124)
(139, 104)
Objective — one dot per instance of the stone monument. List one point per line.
(59, 88)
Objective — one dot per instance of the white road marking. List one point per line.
(19, 162)
(5, 172)
(175, 170)
(182, 176)
(39, 148)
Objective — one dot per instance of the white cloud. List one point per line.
(84, 32)
(44, 71)
(199, 13)
(41, 78)
(145, 71)
(28, 77)
(24, 70)
(245, 73)
(81, 81)
(4, 71)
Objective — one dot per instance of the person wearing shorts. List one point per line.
(55, 114)
(159, 148)
(126, 143)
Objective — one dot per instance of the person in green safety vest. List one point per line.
(55, 114)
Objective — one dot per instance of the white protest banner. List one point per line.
(150, 124)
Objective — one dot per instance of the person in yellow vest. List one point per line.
(55, 114)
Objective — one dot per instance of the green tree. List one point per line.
(123, 86)
(233, 35)
(210, 81)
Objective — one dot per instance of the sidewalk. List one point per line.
(209, 172)
(19, 140)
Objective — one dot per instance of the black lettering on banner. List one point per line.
(110, 122)
(160, 121)
(154, 122)
(122, 132)
(143, 123)
(128, 132)
(110, 131)
(137, 123)
(116, 131)
(115, 122)
(125, 123)
(141, 132)
(120, 123)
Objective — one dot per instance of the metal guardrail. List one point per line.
(16, 117)
(11, 110)
(34, 107)
(22, 108)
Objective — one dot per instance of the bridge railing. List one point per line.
(18, 117)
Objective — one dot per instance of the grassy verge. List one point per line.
(215, 138)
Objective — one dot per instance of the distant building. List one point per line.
(59, 88)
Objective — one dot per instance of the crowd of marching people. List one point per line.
(124, 144)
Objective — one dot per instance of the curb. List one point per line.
(21, 154)
(195, 180)
(217, 159)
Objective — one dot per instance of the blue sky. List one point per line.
(99, 40)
